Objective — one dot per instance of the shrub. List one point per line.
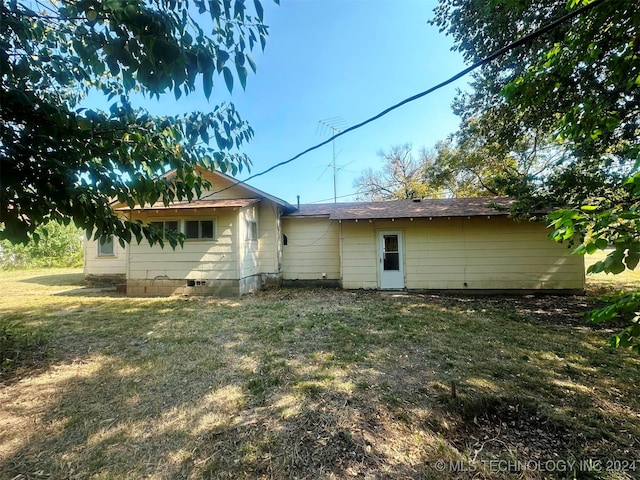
(53, 245)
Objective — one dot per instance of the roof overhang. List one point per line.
(194, 205)
(410, 209)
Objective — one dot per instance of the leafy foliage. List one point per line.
(58, 245)
(59, 160)
(577, 88)
(471, 163)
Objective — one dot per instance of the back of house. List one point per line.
(232, 245)
(239, 239)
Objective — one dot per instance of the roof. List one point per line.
(206, 201)
(239, 183)
(418, 208)
(218, 203)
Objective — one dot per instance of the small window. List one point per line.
(252, 230)
(199, 229)
(167, 226)
(105, 247)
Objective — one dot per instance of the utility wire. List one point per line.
(479, 63)
(339, 196)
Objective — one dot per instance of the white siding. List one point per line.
(312, 249)
(110, 265)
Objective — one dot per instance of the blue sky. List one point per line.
(344, 60)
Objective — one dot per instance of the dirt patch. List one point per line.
(569, 310)
(492, 425)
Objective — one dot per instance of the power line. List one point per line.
(333, 198)
(498, 53)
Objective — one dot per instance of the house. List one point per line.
(241, 239)
(233, 245)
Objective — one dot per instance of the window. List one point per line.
(167, 226)
(199, 229)
(252, 230)
(105, 247)
(391, 252)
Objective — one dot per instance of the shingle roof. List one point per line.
(219, 203)
(448, 207)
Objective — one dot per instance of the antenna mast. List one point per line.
(333, 124)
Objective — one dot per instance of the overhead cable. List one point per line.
(498, 53)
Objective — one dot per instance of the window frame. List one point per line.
(251, 227)
(109, 240)
(200, 237)
(164, 227)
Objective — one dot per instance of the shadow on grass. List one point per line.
(57, 280)
(173, 401)
(311, 384)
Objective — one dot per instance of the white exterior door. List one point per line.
(390, 260)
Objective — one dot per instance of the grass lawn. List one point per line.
(311, 384)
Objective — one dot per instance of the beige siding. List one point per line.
(248, 249)
(220, 183)
(198, 259)
(476, 253)
(269, 238)
(359, 257)
(95, 265)
(312, 249)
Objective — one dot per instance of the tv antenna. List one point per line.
(334, 125)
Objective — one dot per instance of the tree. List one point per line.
(58, 246)
(579, 86)
(401, 177)
(60, 161)
(473, 163)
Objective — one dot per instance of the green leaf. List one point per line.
(591, 248)
(602, 243)
(221, 58)
(222, 144)
(252, 64)
(632, 259)
(204, 134)
(238, 9)
(207, 83)
(613, 263)
(242, 75)
(259, 10)
(228, 78)
(214, 9)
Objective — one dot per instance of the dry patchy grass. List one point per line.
(607, 283)
(308, 384)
